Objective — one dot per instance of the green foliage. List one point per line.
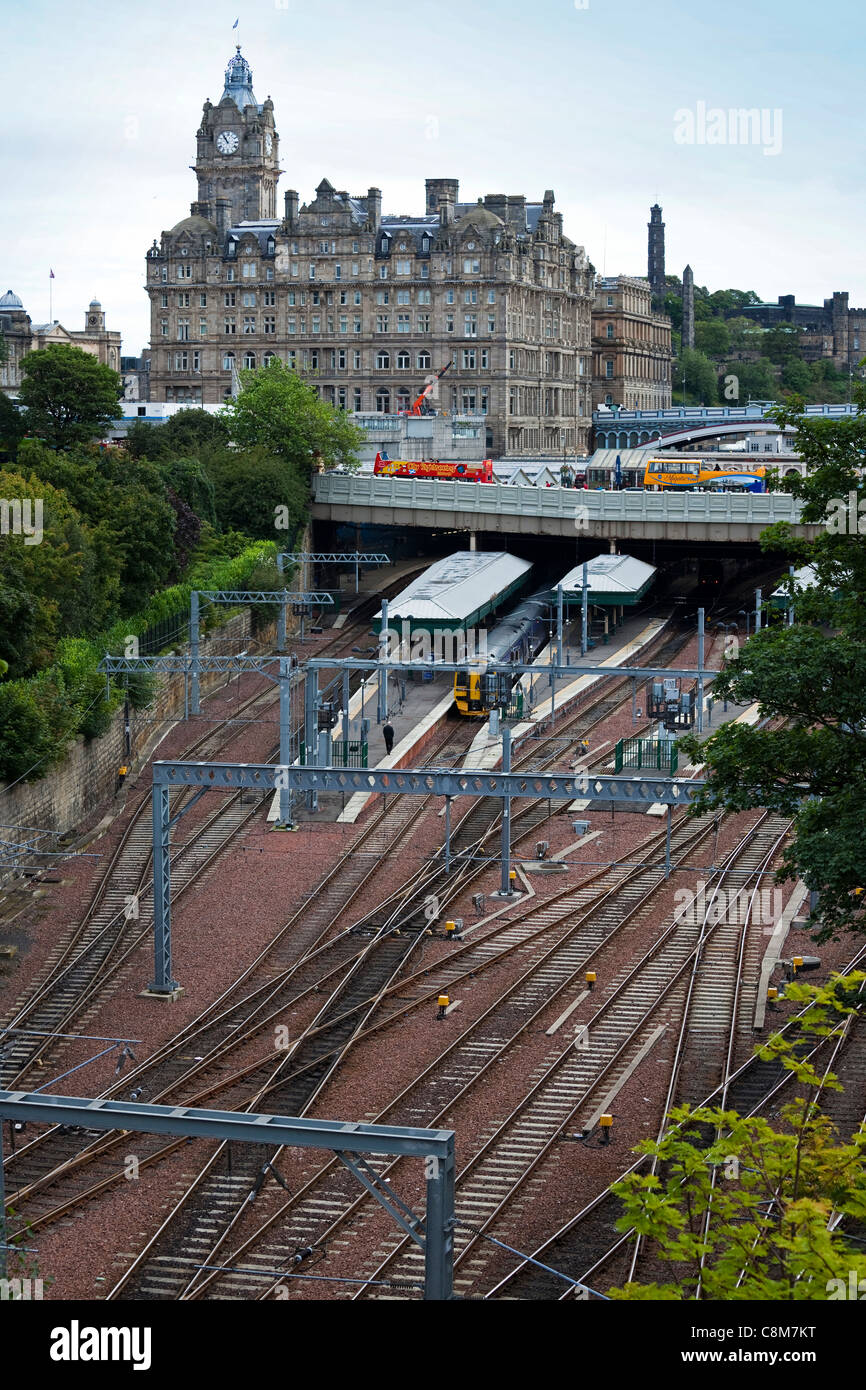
(746, 1216)
(812, 676)
(757, 380)
(190, 480)
(69, 397)
(282, 414)
(12, 429)
(77, 661)
(713, 338)
(781, 342)
(255, 490)
(126, 505)
(36, 719)
(699, 376)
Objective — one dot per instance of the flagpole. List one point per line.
(50, 297)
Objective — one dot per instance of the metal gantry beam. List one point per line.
(349, 1141)
(334, 557)
(292, 778)
(240, 596)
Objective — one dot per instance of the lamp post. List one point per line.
(747, 615)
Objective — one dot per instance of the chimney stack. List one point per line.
(223, 215)
(291, 205)
(374, 207)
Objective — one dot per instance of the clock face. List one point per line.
(227, 143)
(269, 144)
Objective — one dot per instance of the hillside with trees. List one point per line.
(126, 533)
(768, 364)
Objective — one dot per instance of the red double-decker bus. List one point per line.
(431, 468)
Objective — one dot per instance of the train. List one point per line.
(519, 637)
(481, 472)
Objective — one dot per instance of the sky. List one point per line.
(614, 104)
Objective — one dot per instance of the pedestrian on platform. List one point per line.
(388, 735)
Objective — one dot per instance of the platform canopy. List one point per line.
(804, 578)
(614, 581)
(460, 590)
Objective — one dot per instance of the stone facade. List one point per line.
(631, 346)
(656, 254)
(367, 306)
(688, 327)
(22, 336)
(832, 332)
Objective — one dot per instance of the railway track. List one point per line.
(76, 973)
(348, 1007)
(588, 1243)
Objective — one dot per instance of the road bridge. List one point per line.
(434, 504)
(627, 429)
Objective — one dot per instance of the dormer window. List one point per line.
(272, 245)
(183, 250)
(425, 243)
(470, 246)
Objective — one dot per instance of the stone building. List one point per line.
(831, 331)
(631, 346)
(21, 336)
(368, 305)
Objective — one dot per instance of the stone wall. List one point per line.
(86, 782)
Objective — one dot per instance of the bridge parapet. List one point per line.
(430, 502)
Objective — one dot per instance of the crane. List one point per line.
(417, 405)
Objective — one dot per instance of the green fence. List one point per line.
(657, 754)
(345, 752)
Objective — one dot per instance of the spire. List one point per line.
(239, 82)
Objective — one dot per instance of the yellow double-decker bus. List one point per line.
(667, 474)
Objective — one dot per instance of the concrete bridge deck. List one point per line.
(565, 512)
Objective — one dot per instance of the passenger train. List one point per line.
(519, 637)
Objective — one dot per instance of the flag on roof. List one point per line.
(235, 25)
(51, 274)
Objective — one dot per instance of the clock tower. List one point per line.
(237, 157)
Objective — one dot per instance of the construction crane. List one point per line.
(417, 407)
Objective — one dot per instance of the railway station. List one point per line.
(488, 860)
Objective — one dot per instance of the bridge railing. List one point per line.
(432, 494)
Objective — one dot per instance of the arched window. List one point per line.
(403, 401)
(268, 359)
(249, 361)
(383, 360)
(228, 361)
(272, 245)
(403, 361)
(423, 361)
(383, 400)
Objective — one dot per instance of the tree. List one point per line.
(812, 678)
(796, 376)
(69, 396)
(256, 492)
(279, 412)
(12, 429)
(782, 342)
(713, 338)
(126, 503)
(699, 376)
(756, 380)
(747, 1215)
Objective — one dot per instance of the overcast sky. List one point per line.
(609, 102)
